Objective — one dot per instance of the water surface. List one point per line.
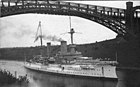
(39, 79)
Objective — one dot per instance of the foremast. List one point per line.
(39, 35)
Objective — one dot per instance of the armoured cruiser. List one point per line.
(70, 62)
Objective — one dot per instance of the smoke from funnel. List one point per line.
(53, 38)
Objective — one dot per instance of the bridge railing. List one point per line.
(101, 9)
(85, 8)
(113, 18)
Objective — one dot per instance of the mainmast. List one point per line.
(71, 31)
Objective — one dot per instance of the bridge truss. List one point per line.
(113, 18)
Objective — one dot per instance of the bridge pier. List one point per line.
(128, 77)
(129, 16)
(128, 71)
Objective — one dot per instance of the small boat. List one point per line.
(69, 62)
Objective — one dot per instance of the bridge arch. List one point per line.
(112, 18)
(136, 7)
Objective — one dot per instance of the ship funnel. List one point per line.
(72, 48)
(48, 49)
(63, 47)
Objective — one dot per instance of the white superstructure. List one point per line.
(73, 63)
(106, 71)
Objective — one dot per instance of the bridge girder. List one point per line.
(112, 18)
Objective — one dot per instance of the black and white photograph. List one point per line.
(69, 43)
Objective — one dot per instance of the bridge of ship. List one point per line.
(113, 18)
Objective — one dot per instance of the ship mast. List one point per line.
(71, 31)
(40, 33)
(39, 30)
(39, 36)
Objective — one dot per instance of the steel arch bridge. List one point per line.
(112, 18)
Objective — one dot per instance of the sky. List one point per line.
(20, 30)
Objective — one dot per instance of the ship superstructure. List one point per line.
(73, 63)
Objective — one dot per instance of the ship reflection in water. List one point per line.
(38, 79)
